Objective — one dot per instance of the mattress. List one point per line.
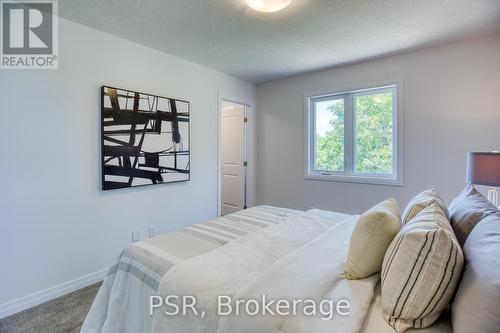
(138, 272)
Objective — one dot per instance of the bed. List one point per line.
(280, 252)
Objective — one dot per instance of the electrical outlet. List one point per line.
(152, 231)
(136, 235)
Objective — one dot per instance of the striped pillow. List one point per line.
(421, 201)
(421, 270)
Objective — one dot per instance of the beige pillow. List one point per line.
(421, 270)
(421, 201)
(372, 235)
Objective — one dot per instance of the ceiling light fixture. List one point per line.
(268, 6)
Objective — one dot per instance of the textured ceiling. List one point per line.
(309, 35)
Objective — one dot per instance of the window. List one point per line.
(353, 136)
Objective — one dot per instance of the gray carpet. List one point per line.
(63, 314)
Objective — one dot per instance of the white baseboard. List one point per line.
(46, 295)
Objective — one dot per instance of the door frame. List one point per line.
(249, 110)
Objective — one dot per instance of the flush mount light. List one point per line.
(268, 6)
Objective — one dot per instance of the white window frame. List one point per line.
(349, 174)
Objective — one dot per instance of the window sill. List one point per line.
(356, 179)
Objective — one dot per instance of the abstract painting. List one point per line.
(145, 139)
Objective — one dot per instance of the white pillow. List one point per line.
(421, 270)
(372, 235)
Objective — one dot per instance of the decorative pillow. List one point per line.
(421, 201)
(467, 210)
(476, 307)
(421, 270)
(370, 239)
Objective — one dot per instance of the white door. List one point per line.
(233, 157)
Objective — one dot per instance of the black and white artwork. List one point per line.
(145, 139)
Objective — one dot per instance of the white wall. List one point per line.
(56, 225)
(451, 106)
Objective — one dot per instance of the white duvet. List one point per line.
(300, 258)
